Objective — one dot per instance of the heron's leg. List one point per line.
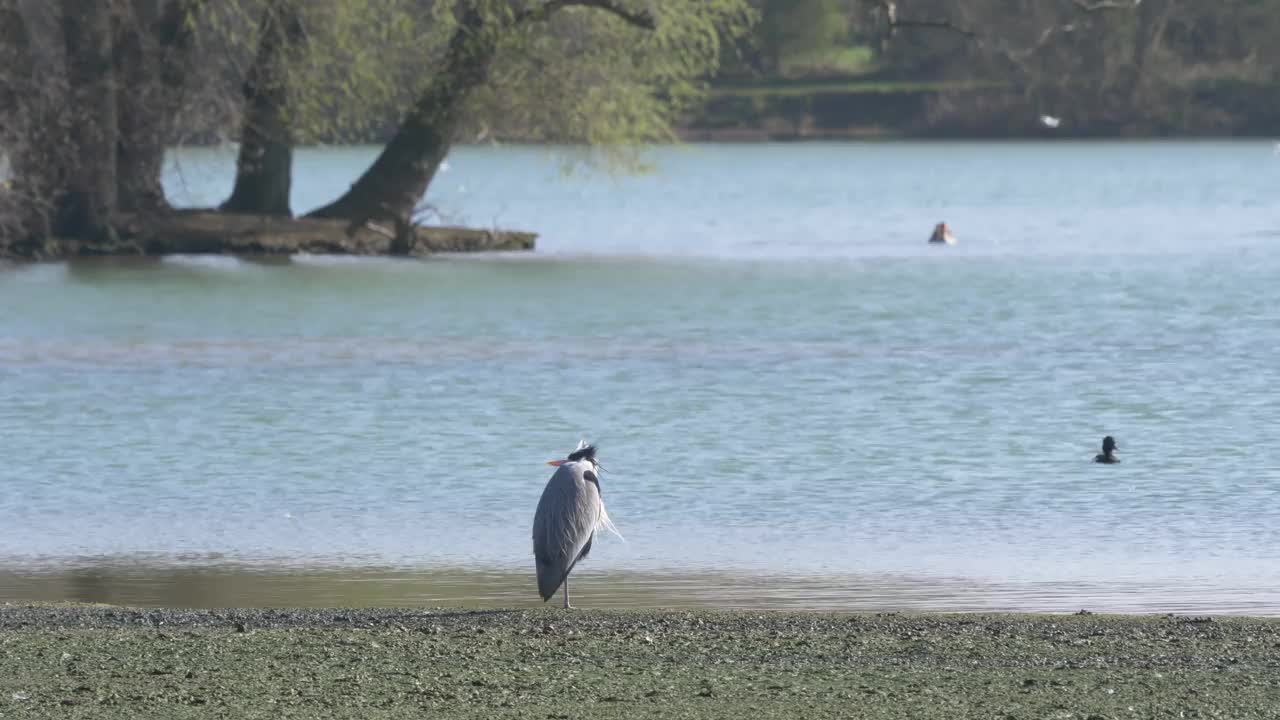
(566, 593)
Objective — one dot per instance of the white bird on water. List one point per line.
(569, 513)
(1050, 121)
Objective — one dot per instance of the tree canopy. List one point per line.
(114, 82)
(1158, 65)
(993, 67)
(92, 92)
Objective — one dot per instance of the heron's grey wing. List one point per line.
(563, 527)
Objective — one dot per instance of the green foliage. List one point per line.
(837, 60)
(794, 33)
(587, 76)
(355, 68)
(584, 76)
(361, 64)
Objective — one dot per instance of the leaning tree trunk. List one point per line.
(265, 165)
(391, 188)
(86, 207)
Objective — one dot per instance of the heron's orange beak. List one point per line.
(555, 462)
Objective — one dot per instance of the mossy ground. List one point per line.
(98, 661)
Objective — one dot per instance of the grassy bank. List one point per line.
(98, 661)
(822, 108)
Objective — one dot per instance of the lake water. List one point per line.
(798, 402)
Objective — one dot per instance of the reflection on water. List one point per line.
(228, 586)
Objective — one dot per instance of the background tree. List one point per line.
(1106, 67)
(601, 71)
(93, 92)
(122, 79)
(264, 168)
(798, 34)
(93, 97)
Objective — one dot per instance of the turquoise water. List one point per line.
(785, 381)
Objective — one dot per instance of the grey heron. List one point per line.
(1108, 454)
(569, 513)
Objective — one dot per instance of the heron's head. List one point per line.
(1108, 444)
(584, 452)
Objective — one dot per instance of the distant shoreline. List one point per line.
(584, 663)
(751, 135)
(765, 136)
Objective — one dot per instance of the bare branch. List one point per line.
(544, 12)
(890, 9)
(934, 24)
(1045, 37)
(1106, 5)
(1013, 56)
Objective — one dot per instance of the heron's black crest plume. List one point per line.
(584, 453)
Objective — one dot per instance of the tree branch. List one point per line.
(542, 13)
(890, 9)
(934, 24)
(1015, 57)
(1106, 5)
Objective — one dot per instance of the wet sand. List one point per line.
(105, 661)
(138, 583)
